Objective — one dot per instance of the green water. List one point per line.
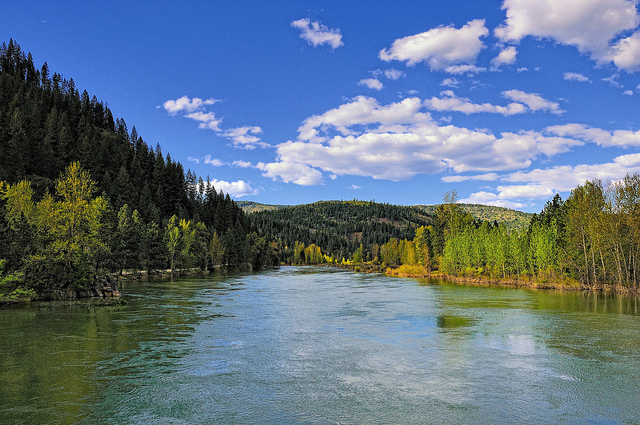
(323, 346)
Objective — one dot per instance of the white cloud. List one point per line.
(450, 102)
(192, 159)
(564, 178)
(213, 161)
(510, 196)
(605, 138)
(439, 47)
(317, 34)
(186, 105)
(506, 57)
(450, 82)
(625, 54)
(464, 69)
(393, 74)
(398, 141)
(544, 183)
(236, 189)
(207, 120)
(589, 25)
(533, 101)
(245, 137)
(242, 164)
(291, 172)
(354, 187)
(372, 83)
(524, 102)
(523, 69)
(241, 137)
(628, 92)
(573, 76)
(613, 80)
(361, 111)
(479, 177)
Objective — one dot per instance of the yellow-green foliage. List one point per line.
(409, 271)
(68, 227)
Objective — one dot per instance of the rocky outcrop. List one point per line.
(101, 287)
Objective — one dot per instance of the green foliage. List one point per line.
(47, 274)
(113, 211)
(512, 219)
(12, 286)
(338, 227)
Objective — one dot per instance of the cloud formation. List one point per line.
(533, 101)
(194, 109)
(186, 105)
(317, 34)
(544, 183)
(523, 102)
(213, 161)
(245, 137)
(589, 25)
(506, 57)
(372, 83)
(236, 189)
(440, 47)
(598, 136)
(573, 76)
(398, 141)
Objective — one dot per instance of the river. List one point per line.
(305, 345)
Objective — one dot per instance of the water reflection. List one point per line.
(316, 345)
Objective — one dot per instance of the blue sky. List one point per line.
(280, 102)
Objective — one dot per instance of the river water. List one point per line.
(305, 345)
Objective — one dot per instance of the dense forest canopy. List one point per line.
(48, 129)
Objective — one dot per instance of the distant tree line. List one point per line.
(339, 228)
(591, 239)
(146, 213)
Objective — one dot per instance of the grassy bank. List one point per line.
(563, 283)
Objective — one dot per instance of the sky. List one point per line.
(280, 102)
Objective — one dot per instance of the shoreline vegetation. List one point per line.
(590, 241)
(419, 272)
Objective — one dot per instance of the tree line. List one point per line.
(140, 210)
(591, 239)
(338, 228)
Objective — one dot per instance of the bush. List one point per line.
(45, 275)
(12, 286)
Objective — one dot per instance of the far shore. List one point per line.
(419, 272)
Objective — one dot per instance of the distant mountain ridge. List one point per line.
(512, 219)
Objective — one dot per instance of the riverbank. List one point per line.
(530, 282)
(559, 284)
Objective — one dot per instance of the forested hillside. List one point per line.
(339, 228)
(151, 213)
(251, 207)
(511, 219)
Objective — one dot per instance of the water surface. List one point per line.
(322, 346)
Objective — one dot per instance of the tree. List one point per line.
(78, 217)
(216, 250)
(172, 240)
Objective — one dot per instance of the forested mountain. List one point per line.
(251, 207)
(154, 215)
(339, 227)
(511, 219)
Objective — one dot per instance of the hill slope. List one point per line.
(339, 227)
(512, 219)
